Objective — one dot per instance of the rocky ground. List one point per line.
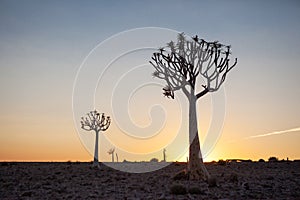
(242, 180)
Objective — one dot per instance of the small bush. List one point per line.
(261, 160)
(273, 159)
(178, 189)
(154, 160)
(222, 162)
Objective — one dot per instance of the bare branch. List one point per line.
(203, 92)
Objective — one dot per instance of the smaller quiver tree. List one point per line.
(111, 152)
(95, 121)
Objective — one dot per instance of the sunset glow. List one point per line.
(48, 51)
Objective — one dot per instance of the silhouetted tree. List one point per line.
(180, 64)
(111, 152)
(164, 155)
(97, 122)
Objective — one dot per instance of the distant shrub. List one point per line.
(154, 160)
(222, 162)
(273, 159)
(178, 189)
(249, 160)
(213, 162)
(261, 160)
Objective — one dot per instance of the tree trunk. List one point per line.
(196, 167)
(96, 149)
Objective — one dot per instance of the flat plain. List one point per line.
(79, 180)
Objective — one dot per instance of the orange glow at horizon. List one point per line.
(67, 146)
(42, 140)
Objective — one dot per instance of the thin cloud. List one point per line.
(274, 133)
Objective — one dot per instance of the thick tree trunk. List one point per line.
(96, 150)
(196, 167)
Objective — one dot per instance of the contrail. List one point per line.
(273, 133)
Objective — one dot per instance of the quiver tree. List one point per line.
(180, 64)
(164, 155)
(95, 121)
(111, 152)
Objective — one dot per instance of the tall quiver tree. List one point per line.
(180, 64)
(95, 121)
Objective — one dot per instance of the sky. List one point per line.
(60, 59)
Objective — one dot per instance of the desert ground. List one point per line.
(78, 180)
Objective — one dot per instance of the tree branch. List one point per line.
(95, 121)
(184, 61)
(203, 92)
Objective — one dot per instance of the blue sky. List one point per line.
(42, 45)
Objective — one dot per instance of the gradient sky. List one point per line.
(42, 45)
